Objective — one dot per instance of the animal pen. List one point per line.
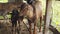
(21, 27)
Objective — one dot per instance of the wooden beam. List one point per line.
(47, 16)
(54, 30)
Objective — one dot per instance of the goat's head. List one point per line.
(23, 9)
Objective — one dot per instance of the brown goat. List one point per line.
(32, 13)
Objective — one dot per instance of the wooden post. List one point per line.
(47, 16)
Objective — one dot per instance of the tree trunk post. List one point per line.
(47, 16)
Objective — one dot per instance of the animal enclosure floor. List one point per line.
(6, 28)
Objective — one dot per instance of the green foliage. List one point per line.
(3, 1)
(56, 14)
(43, 6)
(9, 16)
(1, 17)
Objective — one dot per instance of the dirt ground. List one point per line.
(6, 28)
